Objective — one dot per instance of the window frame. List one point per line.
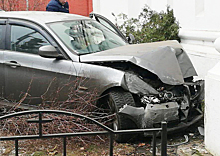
(116, 30)
(3, 23)
(11, 23)
(35, 26)
(31, 48)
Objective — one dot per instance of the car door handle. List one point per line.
(13, 64)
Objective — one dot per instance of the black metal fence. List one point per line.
(107, 131)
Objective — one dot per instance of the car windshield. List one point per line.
(86, 36)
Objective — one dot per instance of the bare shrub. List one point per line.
(84, 104)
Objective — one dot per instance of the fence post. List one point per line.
(164, 139)
(64, 146)
(111, 144)
(16, 147)
(40, 124)
(154, 144)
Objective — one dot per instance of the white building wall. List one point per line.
(212, 117)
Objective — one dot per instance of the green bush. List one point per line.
(151, 26)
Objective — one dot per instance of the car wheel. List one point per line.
(116, 100)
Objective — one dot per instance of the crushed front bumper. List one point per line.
(151, 115)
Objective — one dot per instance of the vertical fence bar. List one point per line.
(164, 139)
(154, 144)
(40, 124)
(111, 144)
(64, 146)
(16, 147)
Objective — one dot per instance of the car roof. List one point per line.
(41, 16)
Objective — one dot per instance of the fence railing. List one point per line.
(106, 131)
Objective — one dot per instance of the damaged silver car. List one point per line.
(143, 84)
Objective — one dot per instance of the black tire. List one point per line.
(116, 100)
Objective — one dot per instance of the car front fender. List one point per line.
(104, 78)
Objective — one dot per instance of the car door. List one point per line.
(30, 78)
(107, 23)
(2, 47)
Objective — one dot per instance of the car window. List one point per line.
(87, 36)
(1, 36)
(28, 40)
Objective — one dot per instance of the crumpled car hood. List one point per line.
(166, 59)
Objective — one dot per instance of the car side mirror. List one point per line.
(131, 38)
(49, 51)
